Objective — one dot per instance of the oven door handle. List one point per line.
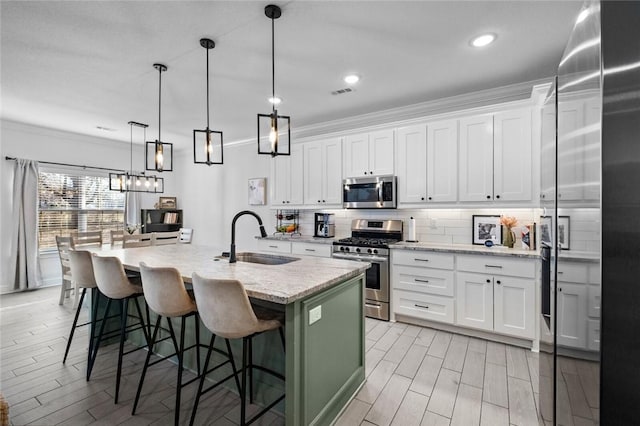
(361, 258)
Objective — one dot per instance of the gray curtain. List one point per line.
(24, 235)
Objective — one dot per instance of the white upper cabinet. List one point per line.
(287, 178)
(369, 154)
(592, 150)
(412, 164)
(547, 153)
(476, 158)
(512, 178)
(570, 150)
(495, 157)
(322, 173)
(442, 161)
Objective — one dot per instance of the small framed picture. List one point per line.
(486, 228)
(563, 233)
(546, 235)
(257, 191)
(167, 202)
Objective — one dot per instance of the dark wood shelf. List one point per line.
(153, 220)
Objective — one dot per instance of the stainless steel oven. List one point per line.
(369, 242)
(374, 192)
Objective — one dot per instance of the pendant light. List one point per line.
(274, 131)
(207, 140)
(161, 152)
(133, 182)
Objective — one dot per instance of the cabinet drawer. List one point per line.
(593, 335)
(275, 246)
(425, 306)
(423, 258)
(573, 272)
(497, 265)
(310, 249)
(423, 280)
(594, 274)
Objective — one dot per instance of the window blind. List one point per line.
(71, 203)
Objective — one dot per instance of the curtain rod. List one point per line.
(71, 165)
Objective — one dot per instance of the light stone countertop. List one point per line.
(281, 284)
(300, 239)
(467, 249)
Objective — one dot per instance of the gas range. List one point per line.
(369, 242)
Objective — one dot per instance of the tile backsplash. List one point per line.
(453, 226)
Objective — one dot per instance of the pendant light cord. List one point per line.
(159, 102)
(273, 67)
(207, 89)
(131, 149)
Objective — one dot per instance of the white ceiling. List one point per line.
(75, 65)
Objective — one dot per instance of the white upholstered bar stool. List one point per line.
(114, 284)
(226, 311)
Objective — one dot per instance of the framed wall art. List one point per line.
(257, 191)
(486, 228)
(167, 203)
(563, 233)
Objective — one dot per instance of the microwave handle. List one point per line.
(380, 193)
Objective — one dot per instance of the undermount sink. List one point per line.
(264, 259)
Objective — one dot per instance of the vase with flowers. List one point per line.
(508, 236)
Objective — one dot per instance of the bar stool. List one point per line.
(165, 293)
(225, 310)
(114, 285)
(82, 277)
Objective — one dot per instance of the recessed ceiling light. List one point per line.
(483, 40)
(351, 79)
(276, 100)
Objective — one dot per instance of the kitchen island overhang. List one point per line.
(324, 322)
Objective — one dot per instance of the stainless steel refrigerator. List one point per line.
(590, 232)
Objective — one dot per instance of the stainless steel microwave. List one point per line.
(374, 192)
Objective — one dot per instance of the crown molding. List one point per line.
(529, 90)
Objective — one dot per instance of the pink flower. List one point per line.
(508, 221)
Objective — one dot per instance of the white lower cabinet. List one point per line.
(497, 293)
(424, 306)
(274, 246)
(295, 247)
(572, 315)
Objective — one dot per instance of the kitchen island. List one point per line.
(324, 322)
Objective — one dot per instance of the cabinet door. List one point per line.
(474, 300)
(572, 315)
(381, 152)
(476, 158)
(280, 181)
(356, 155)
(296, 176)
(592, 155)
(548, 154)
(512, 176)
(570, 150)
(412, 164)
(313, 173)
(513, 306)
(332, 172)
(442, 161)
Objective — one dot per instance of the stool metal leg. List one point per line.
(233, 365)
(250, 367)
(95, 350)
(92, 326)
(243, 393)
(124, 306)
(147, 335)
(146, 364)
(180, 368)
(196, 318)
(202, 378)
(73, 326)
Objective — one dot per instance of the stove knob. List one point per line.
(346, 249)
(375, 251)
(341, 248)
(369, 251)
(358, 250)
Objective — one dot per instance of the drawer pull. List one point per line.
(421, 306)
(560, 272)
(369, 305)
(309, 250)
(420, 281)
(421, 260)
(273, 246)
(493, 266)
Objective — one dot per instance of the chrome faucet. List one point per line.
(263, 233)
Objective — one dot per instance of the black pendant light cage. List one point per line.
(134, 182)
(207, 143)
(158, 155)
(274, 131)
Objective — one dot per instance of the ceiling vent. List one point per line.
(342, 91)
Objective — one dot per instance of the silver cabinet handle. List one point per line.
(309, 250)
(493, 266)
(421, 306)
(273, 246)
(421, 260)
(420, 281)
(369, 305)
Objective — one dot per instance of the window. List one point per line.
(76, 203)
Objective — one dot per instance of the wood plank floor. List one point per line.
(415, 376)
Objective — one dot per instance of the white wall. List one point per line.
(42, 144)
(210, 196)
